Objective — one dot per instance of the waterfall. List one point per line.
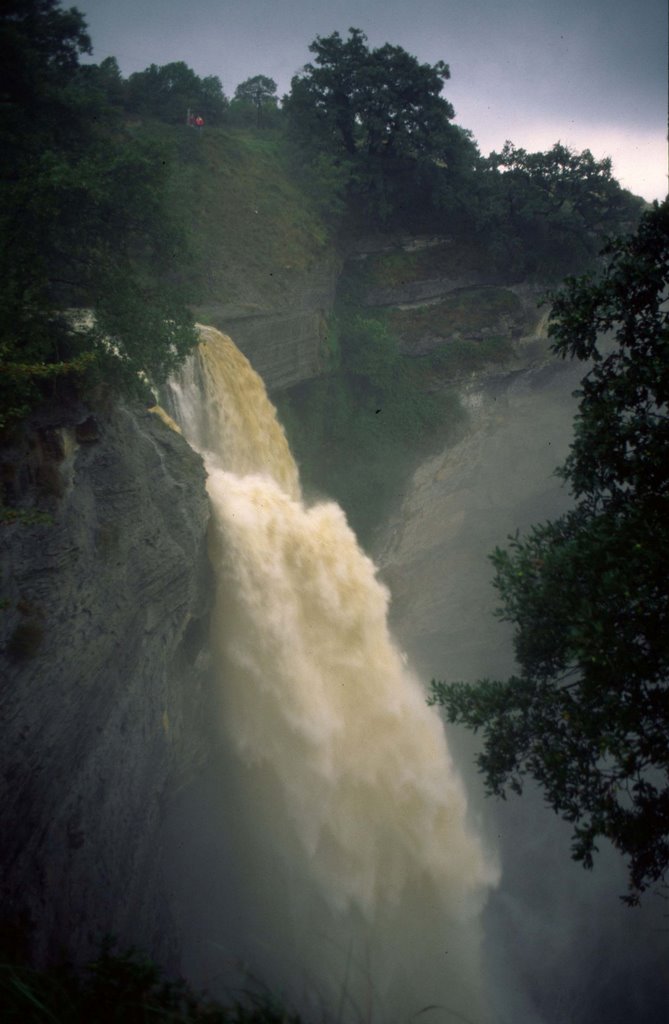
(359, 873)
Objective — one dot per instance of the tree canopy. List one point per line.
(555, 205)
(83, 217)
(379, 102)
(588, 714)
(169, 91)
(260, 92)
(379, 109)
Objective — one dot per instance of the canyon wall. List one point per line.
(104, 690)
(283, 332)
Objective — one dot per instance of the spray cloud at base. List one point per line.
(359, 878)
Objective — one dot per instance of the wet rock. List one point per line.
(88, 431)
(102, 632)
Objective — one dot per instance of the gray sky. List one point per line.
(590, 73)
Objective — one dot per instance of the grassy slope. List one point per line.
(252, 228)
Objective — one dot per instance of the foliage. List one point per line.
(370, 352)
(469, 313)
(548, 212)
(380, 114)
(83, 218)
(121, 987)
(379, 102)
(253, 226)
(259, 93)
(588, 715)
(379, 110)
(169, 91)
(41, 44)
(323, 180)
(106, 78)
(457, 358)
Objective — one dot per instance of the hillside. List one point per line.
(262, 261)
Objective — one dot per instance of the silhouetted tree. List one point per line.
(258, 91)
(83, 218)
(379, 102)
(381, 110)
(167, 92)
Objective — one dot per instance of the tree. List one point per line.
(379, 111)
(83, 217)
(379, 102)
(259, 91)
(168, 92)
(556, 206)
(588, 714)
(106, 79)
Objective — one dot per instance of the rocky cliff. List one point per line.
(433, 291)
(104, 679)
(428, 289)
(282, 331)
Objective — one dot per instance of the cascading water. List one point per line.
(359, 876)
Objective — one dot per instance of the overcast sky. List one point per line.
(590, 73)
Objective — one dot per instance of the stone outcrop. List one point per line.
(104, 690)
(431, 292)
(282, 332)
(416, 292)
(284, 348)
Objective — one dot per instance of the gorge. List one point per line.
(274, 380)
(313, 833)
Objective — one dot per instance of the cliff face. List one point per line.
(433, 291)
(104, 676)
(282, 332)
(267, 259)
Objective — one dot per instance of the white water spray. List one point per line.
(361, 877)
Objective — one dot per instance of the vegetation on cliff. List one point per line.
(84, 221)
(380, 114)
(358, 430)
(588, 715)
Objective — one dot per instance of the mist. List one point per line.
(358, 877)
(542, 941)
(559, 943)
